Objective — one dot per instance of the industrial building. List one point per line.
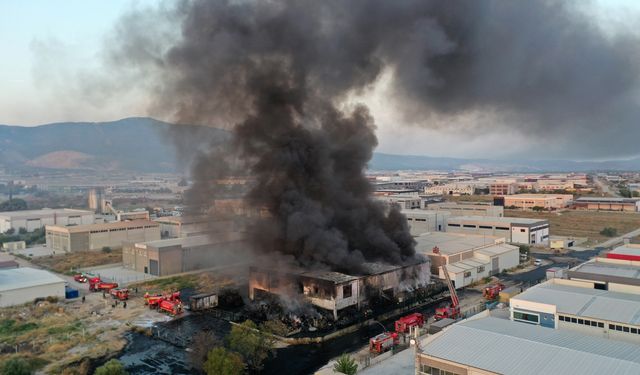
(549, 202)
(581, 306)
(177, 255)
(335, 291)
(469, 258)
(35, 219)
(187, 226)
(424, 221)
(490, 345)
(512, 229)
(607, 204)
(24, 284)
(404, 201)
(132, 215)
(503, 188)
(98, 236)
(456, 188)
(468, 208)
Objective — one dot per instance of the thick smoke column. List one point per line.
(278, 73)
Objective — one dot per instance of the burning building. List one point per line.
(334, 291)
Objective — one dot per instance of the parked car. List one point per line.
(537, 262)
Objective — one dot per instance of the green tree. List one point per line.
(22, 230)
(346, 365)
(609, 232)
(106, 249)
(248, 341)
(220, 361)
(202, 344)
(15, 366)
(113, 367)
(14, 204)
(537, 208)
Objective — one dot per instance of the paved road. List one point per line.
(614, 241)
(604, 186)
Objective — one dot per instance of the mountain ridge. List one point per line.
(144, 144)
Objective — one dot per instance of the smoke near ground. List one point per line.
(278, 74)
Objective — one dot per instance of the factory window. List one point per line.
(574, 320)
(469, 226)
(634, 330)
(594, 324)
(480, 269)
(525, 317)
(502, 228)
(611, 326)
(453, 225)
(580, 321)
(618, 328)
(486, 227)
(561, 318)
(421, 219)
(522, 230)
(347, 291)
(625, 329)
(600, 325)
(599, 286)
(467, 274)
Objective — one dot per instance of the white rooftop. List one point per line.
(592, 303)
(193, 241)
(602, 267)
(490, 219)
(506, 347)
(628, 249)
(25, 277)
(453, 243)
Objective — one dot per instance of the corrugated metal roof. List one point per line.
(25, 277)
(609, 269)
(629, 249)
(494, 220)
(507, 347)
(497, 249)
(592, 303)
(452, 243)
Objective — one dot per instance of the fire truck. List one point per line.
(97, 285)
(453, 310)
(404, 324)
(492, 292)
(121, 294)
(383, 342)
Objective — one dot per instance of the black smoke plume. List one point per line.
(279, 75)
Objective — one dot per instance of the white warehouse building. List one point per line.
(36, 219)
(512, 229)
(468, 258)
(425, 221)
(24, 284)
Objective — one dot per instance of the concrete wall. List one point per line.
(29, 294)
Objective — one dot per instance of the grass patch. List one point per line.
(573, 223)
(68, 263)
(63, 329)
(9, 327)
(169, 283)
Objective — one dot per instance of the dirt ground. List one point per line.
(62, 334)
(66, 263)
(583, 223)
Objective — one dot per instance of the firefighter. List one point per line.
(124, 304)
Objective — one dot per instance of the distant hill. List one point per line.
(145, 145)
(412, 162)
(137, 144)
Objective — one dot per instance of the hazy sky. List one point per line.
(49, 46)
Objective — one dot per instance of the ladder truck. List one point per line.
(453, 310)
